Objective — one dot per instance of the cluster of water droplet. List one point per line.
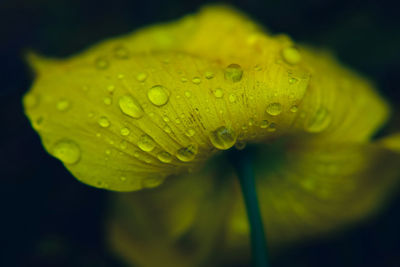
(223, 137)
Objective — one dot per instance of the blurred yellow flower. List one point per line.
(159, 103)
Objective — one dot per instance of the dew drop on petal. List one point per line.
(110, 88)
(190, 132)
(164, 157)
(146, 143)
(31, 101)
(141, 77)
(130, 106)
(121, 52)
(158, 95)
(125, 131)
(63, 105)
(240, 145)
(167, 129)
(272, 127)
(274, 109)
(196, 80)
(101, 63)
(209, 75)
(218, 93)
(264, 124)
(107, 101)
(188, 94)
(188, 153)
(233, 73)
(123, 145)
(292, 80)
(319, 122)
(67, 151)
(232, 98)
(291, 55)
(294, 109)
(152, 180)
(223, 138)
(103, 122)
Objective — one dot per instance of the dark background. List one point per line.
(50, 219)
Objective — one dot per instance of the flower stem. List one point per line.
(242, 161)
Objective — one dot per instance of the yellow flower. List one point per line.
(157, 104)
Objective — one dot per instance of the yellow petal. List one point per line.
(315, 189)
(131, 111)
(171, 225)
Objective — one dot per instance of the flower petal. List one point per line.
(172, 221)
(315, 189)
(131, 111)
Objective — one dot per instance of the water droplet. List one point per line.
(101, 63)
(264, 124)
(165, 118)
(67, 151)
(121, 52)
(38, 123)
(130, 106)
(292, 80)
(31, 101)
(274, 109)
(209, 75)
(146, 143)
(272, 127)
(158, 95)
(233, 73)
(294, 109)
(196, 80)
(107, 101)
(167, 129)
(240, 145)
(188, 153)
(110, 88)
(190, 132)
(251, 122)
(141, 77)
(257, 67)
(152, 181)
(184, 80)
(125, 131)
(223, 138)
(232, 98)
(164, 157)
(123, 145)
(319, 122)
(63, 105)
(218, 93)
(103, 122)
(188, 94)
(291, 55)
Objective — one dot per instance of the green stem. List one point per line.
(242, 160)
